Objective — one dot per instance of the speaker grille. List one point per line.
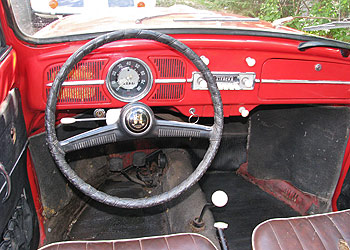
(168, 67)
(84, 70)
(169, 91)
(80, 94)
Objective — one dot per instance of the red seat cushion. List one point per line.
(186, 241)
(322, 231)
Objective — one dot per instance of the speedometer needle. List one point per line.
(121, 82)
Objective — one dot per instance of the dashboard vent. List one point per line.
(168, 67)
(84, 70)
(169, 91)
(80, 94)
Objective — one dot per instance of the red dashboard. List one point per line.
(281, 74)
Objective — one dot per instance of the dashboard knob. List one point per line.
(247, 82)
(112, 116)
(203, 83)
(244, 112)
(205, 59)
(250, 61)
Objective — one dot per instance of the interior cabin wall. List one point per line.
(297, 153)
(60, 200)
(341, 201)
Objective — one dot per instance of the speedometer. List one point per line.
(129, 79)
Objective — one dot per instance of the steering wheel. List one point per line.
(136, 120)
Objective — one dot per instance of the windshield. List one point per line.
(60, 18)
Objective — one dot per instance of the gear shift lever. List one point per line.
(221, 226)
(218, 199)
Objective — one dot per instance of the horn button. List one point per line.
(137, 118)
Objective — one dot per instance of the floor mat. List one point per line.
(98, 221)
(247, 207)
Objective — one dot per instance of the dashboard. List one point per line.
(250, 71)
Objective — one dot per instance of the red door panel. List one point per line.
(7, 72)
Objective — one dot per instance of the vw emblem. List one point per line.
(137, 120)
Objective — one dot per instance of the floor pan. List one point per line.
(247, 207)
(98, 221)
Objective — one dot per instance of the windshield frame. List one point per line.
(171, 31)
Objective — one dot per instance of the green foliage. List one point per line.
(270, 10)
(340, 9)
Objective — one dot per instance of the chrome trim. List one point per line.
(80, 83)
(15, 165)
(305, 81)
(225, 81)
(169, 80)
(218, 72)
(5, 54)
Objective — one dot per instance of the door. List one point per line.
(18, 222)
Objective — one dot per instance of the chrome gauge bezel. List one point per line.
(142, 94)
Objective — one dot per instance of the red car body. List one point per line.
(284, 74)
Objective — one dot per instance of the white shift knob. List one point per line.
(220, 225)
(219, 198)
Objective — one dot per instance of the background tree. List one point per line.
(305, 11)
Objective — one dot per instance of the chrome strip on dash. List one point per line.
(79, 83)
(170, 80)
(305, 81)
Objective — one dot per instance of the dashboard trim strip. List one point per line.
(305, 81)
(170, 80)
(79, 83)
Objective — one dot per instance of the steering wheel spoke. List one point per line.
(165, 128)
(91, 138)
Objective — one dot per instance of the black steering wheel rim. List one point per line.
(59, 155)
